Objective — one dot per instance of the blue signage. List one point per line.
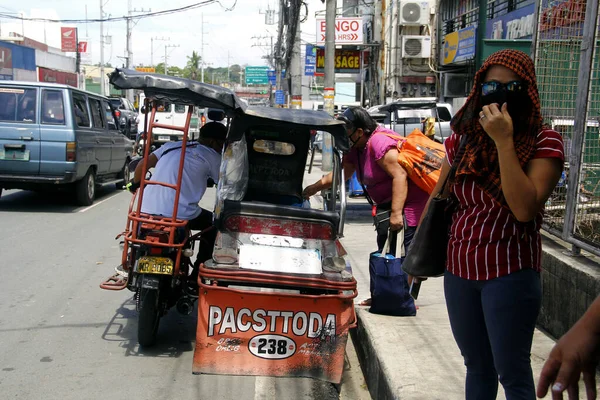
(272, 77)
(310, 57)
(279, 97)
(459, 45)
(309, 70)
(516, 24)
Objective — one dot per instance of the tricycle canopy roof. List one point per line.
(177, 90)
(294, 119)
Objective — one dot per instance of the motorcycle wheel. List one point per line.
(149, 316)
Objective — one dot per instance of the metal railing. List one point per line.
(567, 60)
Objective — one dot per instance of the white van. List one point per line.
(173, 114)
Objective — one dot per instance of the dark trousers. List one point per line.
(207, 240)
(493, 323)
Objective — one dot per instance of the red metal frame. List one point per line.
(136, 217)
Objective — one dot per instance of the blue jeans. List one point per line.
(493, 323)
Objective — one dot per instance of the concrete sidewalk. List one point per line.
(407, 357)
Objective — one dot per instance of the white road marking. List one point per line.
(99, 202)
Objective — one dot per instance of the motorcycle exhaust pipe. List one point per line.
(185, 305)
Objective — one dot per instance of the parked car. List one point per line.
(403, 116)
(126, 116)
(56, 136)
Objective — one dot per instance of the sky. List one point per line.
(228, 35)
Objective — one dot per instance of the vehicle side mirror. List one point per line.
(134, 162)
(143, 109)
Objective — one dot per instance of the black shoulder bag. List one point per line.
(427, 254)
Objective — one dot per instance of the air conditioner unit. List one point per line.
(456, 85)
(414, 12)
(416, 46)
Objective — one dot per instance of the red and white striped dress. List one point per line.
(486, 240)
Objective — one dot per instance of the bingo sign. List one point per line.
(459, 46)
(347, 31)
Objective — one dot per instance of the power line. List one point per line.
(112, 19)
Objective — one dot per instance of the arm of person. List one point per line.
(326, 181)
(389, 163)
(527, 190)
(139, 169)
(575, 353)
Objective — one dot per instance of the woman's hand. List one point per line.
(497, 123)
(310, 190)
(396, 220)
(575, 353)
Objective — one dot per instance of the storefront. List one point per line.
(53, 76)
(17, 62)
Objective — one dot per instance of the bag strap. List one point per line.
(399, 243)
(361, 176)
(178, 148)
(454, 166)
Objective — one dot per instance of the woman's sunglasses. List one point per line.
(494, 86)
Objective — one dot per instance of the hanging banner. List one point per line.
(68, 39)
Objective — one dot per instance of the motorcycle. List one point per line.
(156, 255)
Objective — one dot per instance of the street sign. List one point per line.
(279, 97)
(257, 76)
(309, 70)
(347, 31)
(272, 77)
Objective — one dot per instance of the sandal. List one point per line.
(365, 303)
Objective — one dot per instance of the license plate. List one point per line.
(164, 138)
(155, 265)
(14, 155)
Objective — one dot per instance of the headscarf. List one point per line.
(480, 156)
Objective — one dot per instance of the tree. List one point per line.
(193, 66)
(235, 72)
(160, 68)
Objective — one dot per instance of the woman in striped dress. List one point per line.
(506, 170)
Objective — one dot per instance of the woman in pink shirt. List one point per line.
(374, 156)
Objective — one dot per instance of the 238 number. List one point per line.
(274, 346)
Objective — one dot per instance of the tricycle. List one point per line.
(276, 298)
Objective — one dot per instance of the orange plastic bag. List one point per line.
(422, 159)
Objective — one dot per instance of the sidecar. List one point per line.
(277, 297)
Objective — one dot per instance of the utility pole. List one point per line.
(102, 90)
(152, 39)
(129, 57)
(228, 73)
(278, 46)
(202, 63)
(329, 89)
(166, 47)
(296, 71)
